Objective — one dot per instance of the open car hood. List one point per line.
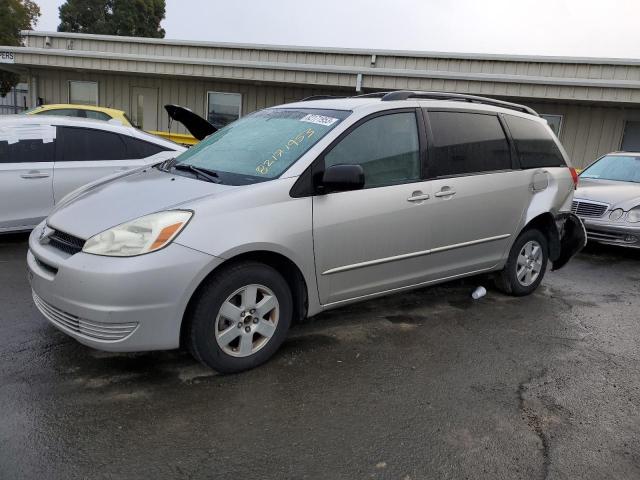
(194, 123)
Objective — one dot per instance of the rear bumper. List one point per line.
(570, 237)
(613, 233)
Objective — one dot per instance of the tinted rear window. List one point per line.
(467, 143)
(84, 144)
(534, 144)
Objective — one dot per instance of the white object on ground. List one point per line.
(479, 293)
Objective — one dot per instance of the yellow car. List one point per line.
(106, 114)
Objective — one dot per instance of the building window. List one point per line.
(223, 108)
(554, 121)
(631, 137)
(83, 93)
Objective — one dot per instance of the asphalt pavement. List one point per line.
(429, 384)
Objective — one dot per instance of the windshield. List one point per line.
(262, 145)
(615, 167)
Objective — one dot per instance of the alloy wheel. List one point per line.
(247, 320)
(529, 264)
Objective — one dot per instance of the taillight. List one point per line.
(574, 176)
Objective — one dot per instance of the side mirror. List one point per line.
(341, 178)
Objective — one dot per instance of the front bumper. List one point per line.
(117, 304)
(623, 234)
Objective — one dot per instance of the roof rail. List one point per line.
(320, 97)
(461, 97)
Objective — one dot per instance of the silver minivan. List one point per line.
(302, 208)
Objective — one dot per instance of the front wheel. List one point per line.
(240, 318)
(526, 265)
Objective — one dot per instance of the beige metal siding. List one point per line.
(589, 131)
(114, 91)
(607, 80)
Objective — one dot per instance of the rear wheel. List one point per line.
(240, 318)
(526, 265)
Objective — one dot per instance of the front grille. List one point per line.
(583, 208)
(106, 332)
(65, 242)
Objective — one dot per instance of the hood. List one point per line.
(624, 195)
(106, 204)
(194, 123)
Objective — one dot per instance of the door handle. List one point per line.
(34, 174)
(445, 192)
(418, 197)
(122, 169)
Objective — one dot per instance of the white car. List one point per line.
(42, 158)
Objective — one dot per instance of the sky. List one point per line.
(587, 28)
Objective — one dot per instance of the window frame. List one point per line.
(206, 101)
(308, 183)
(515, 163)
(84, 81)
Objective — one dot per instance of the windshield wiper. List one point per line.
(166, 164)
(210, 175)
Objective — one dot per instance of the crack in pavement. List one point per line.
(535, 422)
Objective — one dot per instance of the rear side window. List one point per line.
(466, 143)
(62, 112)
(534, 144)
(26, 151)
(141, 149)
(84, 144)
(97, 115)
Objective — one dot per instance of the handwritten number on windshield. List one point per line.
(293, 143)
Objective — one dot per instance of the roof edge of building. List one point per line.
(344, 51)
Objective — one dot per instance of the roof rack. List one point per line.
(320, 97)
(461, 97)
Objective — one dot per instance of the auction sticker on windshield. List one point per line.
(319, 119)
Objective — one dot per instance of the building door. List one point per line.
(144, 107)
(631, 138)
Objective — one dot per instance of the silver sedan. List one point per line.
(608, 199)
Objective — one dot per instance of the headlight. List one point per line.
(634, 215)
(616, 214)
(143, 235)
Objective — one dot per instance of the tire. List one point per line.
(225, 331)
(526, 266)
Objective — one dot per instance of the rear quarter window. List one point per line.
(535, 146)
(141, 149)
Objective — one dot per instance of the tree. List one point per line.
(15, 15)
(135, 18)
(85, 16)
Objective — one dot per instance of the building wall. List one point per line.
(559, 78)
(588, 131)
(115, 91)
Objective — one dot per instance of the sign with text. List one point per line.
(7, 57)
